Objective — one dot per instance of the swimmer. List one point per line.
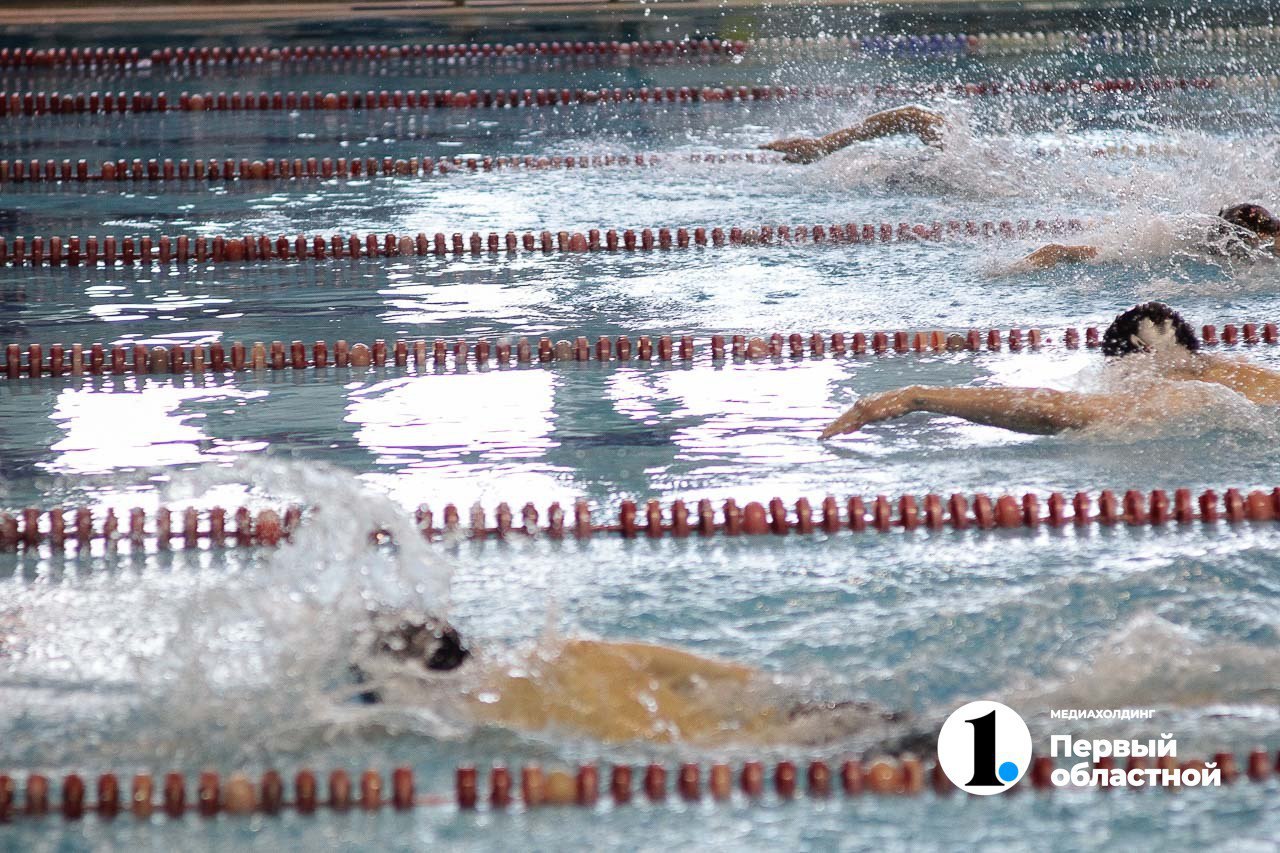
(909, 119)
(1241, 229)
(1152, 331)
(611, 691)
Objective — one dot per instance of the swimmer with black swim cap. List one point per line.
(1147, 328)
(1153, 332)
(613, 691)
(1241, 230)
(412, 638)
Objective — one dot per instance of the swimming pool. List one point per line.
(235, 658)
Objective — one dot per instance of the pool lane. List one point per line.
(607, 433)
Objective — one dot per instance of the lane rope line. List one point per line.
(67, 172)
(34, 170)
(31, 361)
(56, 250)
(42, 103)
(1141, 40)
(753, 782)
(193, 528)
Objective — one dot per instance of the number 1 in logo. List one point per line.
(984, 750)
(984, 747)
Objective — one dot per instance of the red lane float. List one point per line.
(56, 250)
(65, 171)
(1145, 40)
(162, 529)
(39, 103)
(103, 58)
(754, 781)
(50, 171)
(195, 528)
(1149, 149)
(28, 795)
(210, 796)
(34, 360)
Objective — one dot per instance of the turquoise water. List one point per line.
(238, 659)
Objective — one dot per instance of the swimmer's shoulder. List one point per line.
(1216, 367)
(1259, 384)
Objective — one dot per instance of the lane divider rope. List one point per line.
(55, 250)
(1138, 149)
(40, 103)
(31, 361)
(1142, 40)
(752, 782)
(192, 528)
(1125, 42)
(283, 168)
(65, 171)
(93, 58)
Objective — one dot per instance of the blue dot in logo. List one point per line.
(1008, 771)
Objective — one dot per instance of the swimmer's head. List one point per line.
(1243, 226)
(1253, 218)
(431, 641)
(1150, 327)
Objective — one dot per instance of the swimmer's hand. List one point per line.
(1056, 253)
(873, 409)
(801, 149)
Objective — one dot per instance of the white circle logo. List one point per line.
(984, 748)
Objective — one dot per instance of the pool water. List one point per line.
(237, 659)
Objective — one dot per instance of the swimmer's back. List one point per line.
(618, 692)
(1257, 384)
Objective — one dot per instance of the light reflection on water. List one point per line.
(147, 429)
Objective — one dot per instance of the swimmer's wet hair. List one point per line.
(1253, 218)
(1123, 336)
(1237, 225)
(432, 641)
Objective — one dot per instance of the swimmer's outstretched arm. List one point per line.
(1056, 253)
(1040, 411)
(925, 124)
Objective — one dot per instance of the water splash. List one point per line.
(231, 663)
(329, 558)
(1151, 662)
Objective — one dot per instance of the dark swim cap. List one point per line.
(1253, 218)
(1124, 335)
(432, 641)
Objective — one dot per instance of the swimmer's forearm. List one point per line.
(838, 139)
(908, 119)
(1033, 410)
(1040, 411)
